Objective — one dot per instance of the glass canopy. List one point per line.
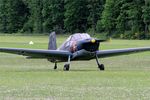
(70, 43)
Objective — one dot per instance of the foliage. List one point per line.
(13, 15)
(108, 16)
(124, 16)
(76, 15)
(53, 15)
(116, 17)
(95, 11)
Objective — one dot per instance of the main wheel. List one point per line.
(101, 67)
(66, 67)
(55, 67)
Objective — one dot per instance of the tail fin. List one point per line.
(52, 41)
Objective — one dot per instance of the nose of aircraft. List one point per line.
(91, 45)
(93, 40)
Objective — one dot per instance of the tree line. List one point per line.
(118, 18)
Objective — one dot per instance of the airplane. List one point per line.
(79, 46)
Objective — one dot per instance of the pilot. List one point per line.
(73, 47)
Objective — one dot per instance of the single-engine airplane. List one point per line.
(80, 46)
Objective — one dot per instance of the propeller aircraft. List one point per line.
(79, 46)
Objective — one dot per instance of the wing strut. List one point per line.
(100, 66)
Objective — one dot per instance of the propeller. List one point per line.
(99, 40)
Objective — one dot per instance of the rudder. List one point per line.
(52, 41)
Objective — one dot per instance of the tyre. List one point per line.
(66, 67)
(101, 67)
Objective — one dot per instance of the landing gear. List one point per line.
(100, 66)
(67, 65)
(55, 66)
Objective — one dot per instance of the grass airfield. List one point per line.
(125, 78)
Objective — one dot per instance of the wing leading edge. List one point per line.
(31, 53)
(117, 52)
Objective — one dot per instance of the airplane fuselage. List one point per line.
(83, 55)
(81, 50)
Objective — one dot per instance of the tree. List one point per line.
(35, 17)
(95, 11)
(38, 18)
(109, 16)
(53, 15)
(135, 15)
(129, 18)
(47, 16)
(16, 16)
(122, 19)
(57, 14)
(146, 16)
(13, 15)
(76, 15)
(3, 16)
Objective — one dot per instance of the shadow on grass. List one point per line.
(51, 70)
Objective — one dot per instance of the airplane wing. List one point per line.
(117, 52)
(35, 53)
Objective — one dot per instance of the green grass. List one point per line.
(125, 78)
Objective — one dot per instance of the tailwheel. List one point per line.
(66, 67)
(101, 67)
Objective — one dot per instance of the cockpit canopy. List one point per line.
(70, 43)
(78, 37)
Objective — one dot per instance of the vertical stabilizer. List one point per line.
(52, 41)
